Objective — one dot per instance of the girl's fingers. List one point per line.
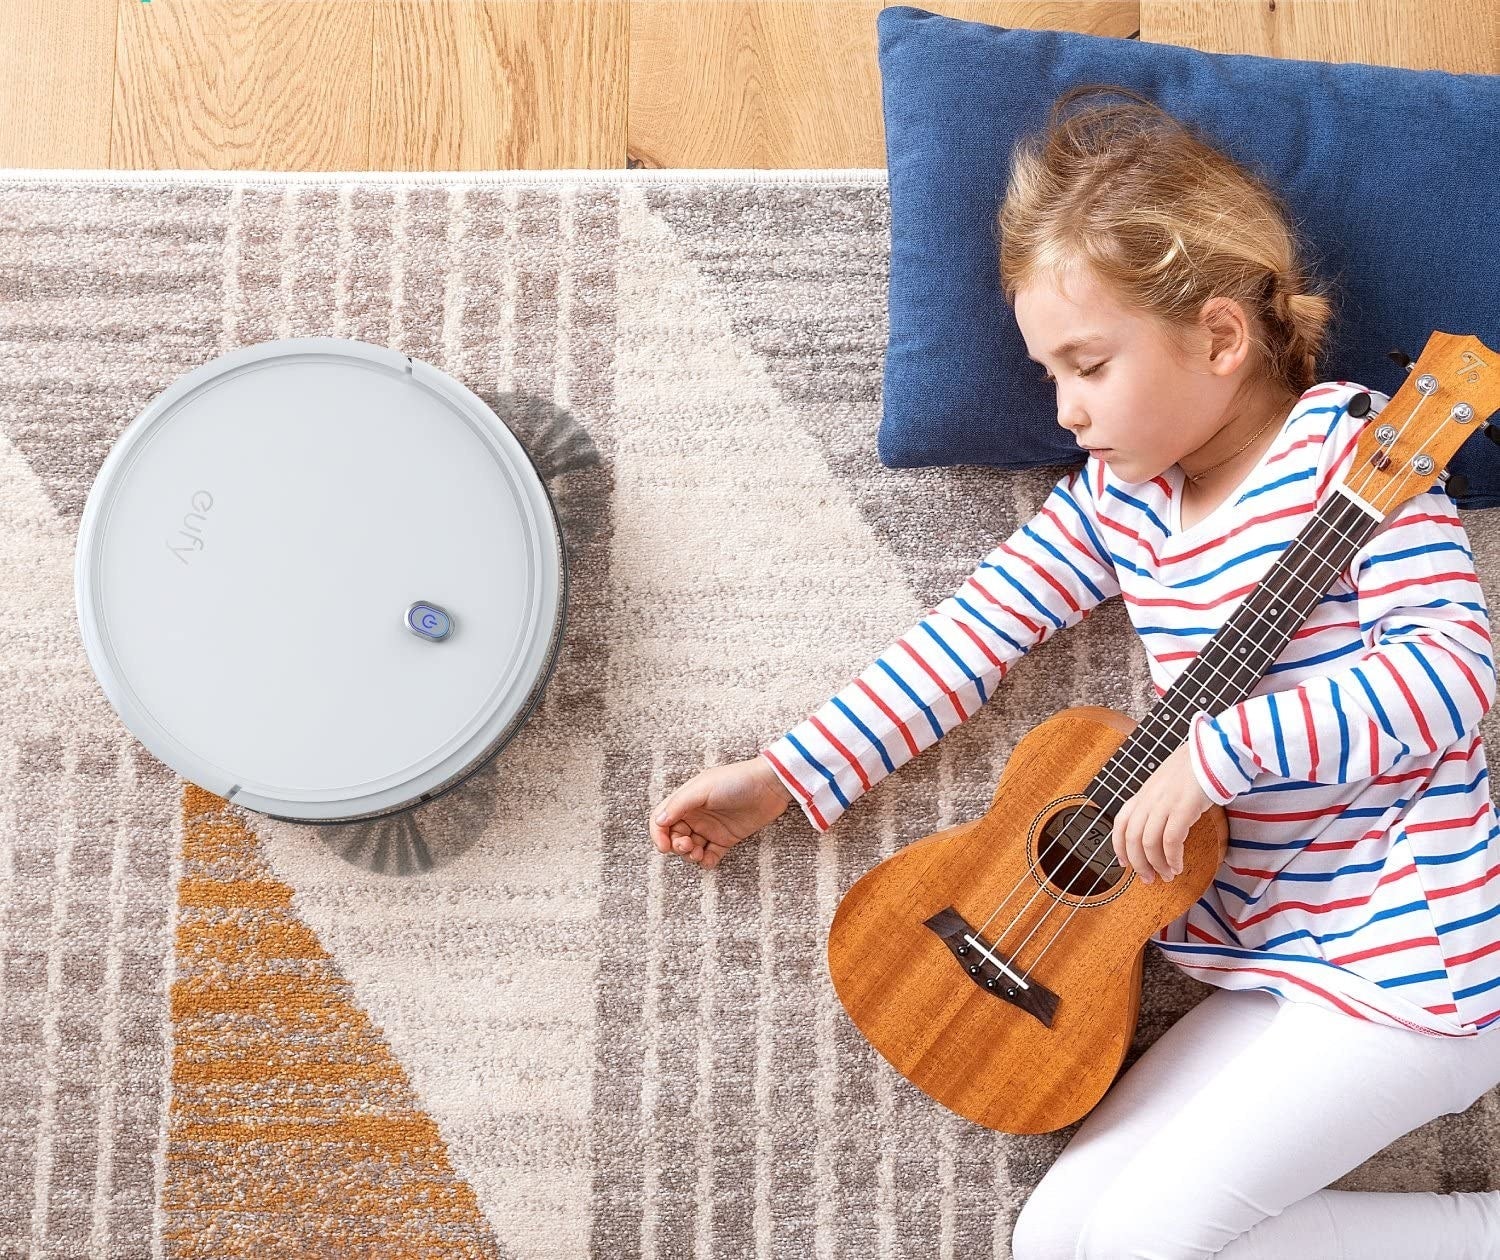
(1152, 837)
(1173, 850)
(1136, 854)
(1158, 845)
(689, 846)
(679, 838)
(1117, 835)
(1148, 854)
(1152, 848)
(658, 833)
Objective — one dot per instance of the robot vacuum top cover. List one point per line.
(321, 579)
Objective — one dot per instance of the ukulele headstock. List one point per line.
(1445, 400)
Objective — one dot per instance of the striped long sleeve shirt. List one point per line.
(1363, 865)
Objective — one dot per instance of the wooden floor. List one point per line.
(531, 84)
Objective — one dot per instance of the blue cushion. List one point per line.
(1391, 174)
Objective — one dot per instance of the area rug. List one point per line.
(226, 1036)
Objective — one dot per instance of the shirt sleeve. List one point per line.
(1425, 678)
(1047, 575)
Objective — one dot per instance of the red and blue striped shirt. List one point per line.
(1363, 867)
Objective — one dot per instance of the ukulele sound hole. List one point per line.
(1075, 854)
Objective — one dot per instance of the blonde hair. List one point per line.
(1164, 221)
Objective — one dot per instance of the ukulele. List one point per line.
(997, 964)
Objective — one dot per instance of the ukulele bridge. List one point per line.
(983, 964)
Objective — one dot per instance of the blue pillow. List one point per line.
(1392, 177)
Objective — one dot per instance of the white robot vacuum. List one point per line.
(321, 579)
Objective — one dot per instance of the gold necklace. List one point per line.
(1232, 454)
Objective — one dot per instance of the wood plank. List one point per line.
(57, 62)
(768, 84)
(242, 85)
(1117, 18)
(1452, 35)
(499, 84)
(754, 85)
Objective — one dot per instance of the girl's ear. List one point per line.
(1225, 333)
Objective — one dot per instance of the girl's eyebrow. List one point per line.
(1069, 346)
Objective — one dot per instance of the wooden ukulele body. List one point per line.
(1042, 1057)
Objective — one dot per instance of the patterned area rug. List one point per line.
(226, 1036)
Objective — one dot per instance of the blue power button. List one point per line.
(429, 621)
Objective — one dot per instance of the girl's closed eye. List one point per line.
(1047, 376)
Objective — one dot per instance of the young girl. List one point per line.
(1353, 931)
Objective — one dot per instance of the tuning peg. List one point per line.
(1491, 432)
(1399, 357)
(1454, 484)
(1359, 404)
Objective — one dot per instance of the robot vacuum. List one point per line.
(321, 579)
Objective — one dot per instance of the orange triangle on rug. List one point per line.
(292, 1126)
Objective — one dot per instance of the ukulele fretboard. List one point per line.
(1244, 648)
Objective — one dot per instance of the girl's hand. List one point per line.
(716, 809)
(1151, 828)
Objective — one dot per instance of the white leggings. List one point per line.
(1219, 1139)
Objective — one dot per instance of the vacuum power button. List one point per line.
(429, 621)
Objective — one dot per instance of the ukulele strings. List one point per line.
(1337, 531)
